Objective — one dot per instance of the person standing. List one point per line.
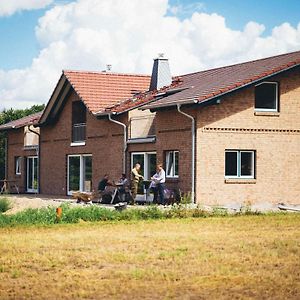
(158, 184)
(135, 178)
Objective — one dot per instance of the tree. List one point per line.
(8, 116)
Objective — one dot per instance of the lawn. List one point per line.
(206, 258)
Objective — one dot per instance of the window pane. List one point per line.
(30, 173)
(151, 165)
(35, 173)
(138, 158)
(18, 165)
(74, 173)
(231, 164)
(176, 163)
(87, 173)
(265, 96)
(170, 163)
(247, 163)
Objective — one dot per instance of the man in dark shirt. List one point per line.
(104, 183)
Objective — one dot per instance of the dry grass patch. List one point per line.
(233, 257)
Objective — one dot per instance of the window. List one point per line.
(266, 96)
(147, 160)
(18, 165)
(78, 122)
(239, 164)
(172, 160)
(79, 173)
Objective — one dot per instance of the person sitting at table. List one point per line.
(104, 183)
(123, 185)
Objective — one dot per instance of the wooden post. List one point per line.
(58, 213)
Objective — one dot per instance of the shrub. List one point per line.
(186, 198)
(5, 205)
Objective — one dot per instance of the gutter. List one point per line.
(193, 150)
(38, 152)
(196, 101)
(125, 139)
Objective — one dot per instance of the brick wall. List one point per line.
(104, 141)
(15, 148)
(174, 133)
(276, 139)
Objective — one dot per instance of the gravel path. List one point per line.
(21, 202)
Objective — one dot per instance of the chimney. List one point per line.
(161, 75)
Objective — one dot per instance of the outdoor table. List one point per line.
(146, 184)
(7, 185)
(116, 191)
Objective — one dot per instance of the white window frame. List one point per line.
(268, 109)
(81, 181)
(146, 167)
(239, 164)
(18, 162)
(173, 153)
(31, 159)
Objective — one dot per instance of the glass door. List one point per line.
(147, 160)
(32, 174)
(79, 173)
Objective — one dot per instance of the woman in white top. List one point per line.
(158, 184)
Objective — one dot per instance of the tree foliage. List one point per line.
(8, 116)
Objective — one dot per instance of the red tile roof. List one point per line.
(205, 85)
(100, 90)
(28, 120)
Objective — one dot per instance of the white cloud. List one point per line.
(88, 34)
(9, 7)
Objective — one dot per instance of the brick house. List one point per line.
(229, 134)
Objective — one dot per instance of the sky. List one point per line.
(39, 38)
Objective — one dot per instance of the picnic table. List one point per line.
(8, 185)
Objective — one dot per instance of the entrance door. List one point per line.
(79, 173)
(32, 174)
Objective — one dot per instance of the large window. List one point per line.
(18, 165)
(79, 173)
(266, 96)
(172, 161)
(147, 160)
(239, 164)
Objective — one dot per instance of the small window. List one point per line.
(266, 96)
(239, 164)
(18, 165)
(172, 162)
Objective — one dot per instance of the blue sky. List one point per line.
(40, 38)
(19, 45)
(239, 12)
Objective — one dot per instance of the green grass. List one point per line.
(47, 216)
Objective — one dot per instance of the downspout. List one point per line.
(38, 152)
(125, 139)
(5, 156)
(193, 150)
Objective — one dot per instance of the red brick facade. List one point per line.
(104, 141)
(15, 148)
(232, 124)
